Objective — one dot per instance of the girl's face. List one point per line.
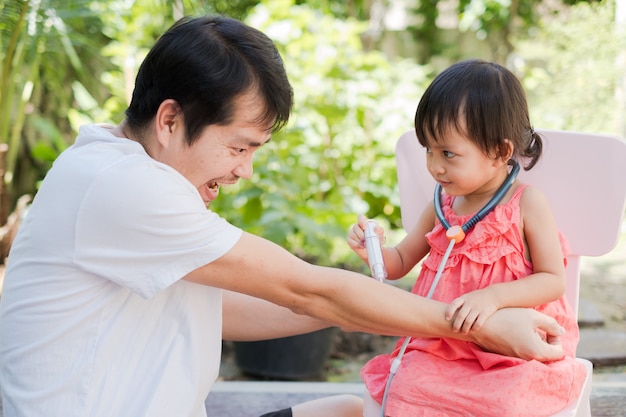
(462, 168)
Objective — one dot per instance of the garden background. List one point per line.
(358, 68)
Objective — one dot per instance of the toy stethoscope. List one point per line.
(455, 234)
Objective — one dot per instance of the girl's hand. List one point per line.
(356, 236)
(470, 311)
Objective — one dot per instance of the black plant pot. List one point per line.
(288, 358)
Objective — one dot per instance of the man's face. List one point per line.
(222, 154)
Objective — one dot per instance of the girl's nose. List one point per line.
(434, 165)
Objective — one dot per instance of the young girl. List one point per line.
(473, 121)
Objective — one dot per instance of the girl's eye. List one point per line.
(428, 150)
(448, 154)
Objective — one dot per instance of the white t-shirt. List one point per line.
(94, 317)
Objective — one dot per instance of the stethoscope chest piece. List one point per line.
(455, 233)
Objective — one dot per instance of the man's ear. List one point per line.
(168, 119)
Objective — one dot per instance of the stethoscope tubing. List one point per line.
(497, 197)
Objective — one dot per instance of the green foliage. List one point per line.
(571, 70)
(493, 23)
(46, 47)
(65, 63)
(335, 157)
(426, 32)
(236, 9)
(357, 9)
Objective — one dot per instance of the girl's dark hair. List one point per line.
(205, 64)
(492, 103)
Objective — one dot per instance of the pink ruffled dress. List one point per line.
(448, 377)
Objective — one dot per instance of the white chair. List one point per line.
(583, 177)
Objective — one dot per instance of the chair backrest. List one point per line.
(583, 176)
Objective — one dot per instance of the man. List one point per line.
(113, 299)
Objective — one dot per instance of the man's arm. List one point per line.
(512, 331)
(518, 332)
(353, 301)
(247, 318)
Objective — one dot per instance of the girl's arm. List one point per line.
(545, 284)
(414, 247)
(399, 259)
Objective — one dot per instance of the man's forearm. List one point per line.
(247, 318)
(349, 300)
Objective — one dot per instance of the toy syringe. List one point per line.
(374, 252)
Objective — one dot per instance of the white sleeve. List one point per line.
(144, 226)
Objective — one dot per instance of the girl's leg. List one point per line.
(370, 407)
(345, 405)
(285, 412)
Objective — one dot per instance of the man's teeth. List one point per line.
(213, 185)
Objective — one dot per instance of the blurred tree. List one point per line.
(236, 9)
(50, 63)
(355, 9)
(66, 63)
(453, 29)
(571, 69)
(335, 157)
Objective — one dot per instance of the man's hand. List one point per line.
(523, 333)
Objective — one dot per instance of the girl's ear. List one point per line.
(506, 150)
